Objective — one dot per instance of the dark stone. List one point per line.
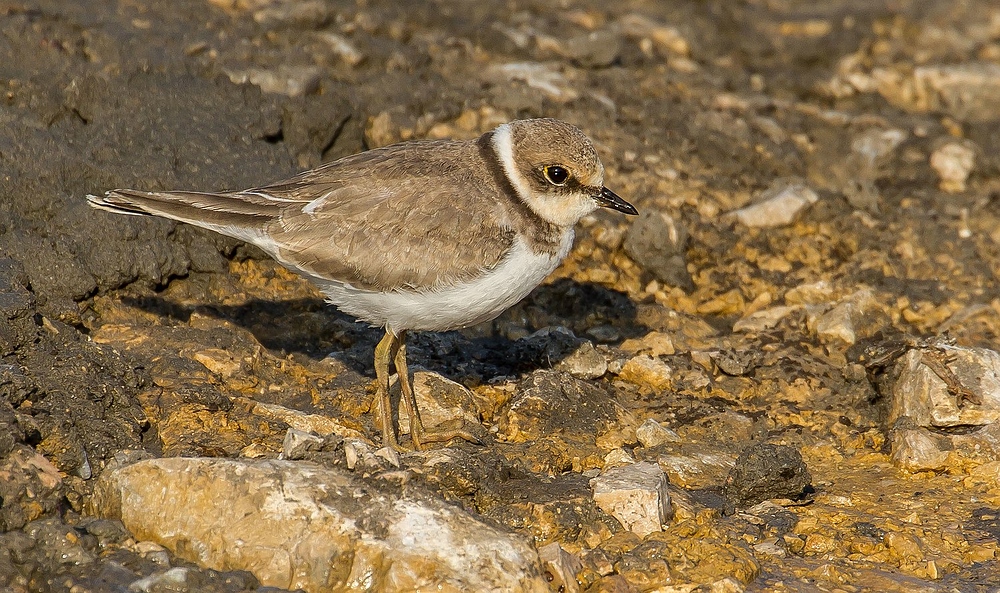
(766, 471)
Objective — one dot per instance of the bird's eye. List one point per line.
(556, 175)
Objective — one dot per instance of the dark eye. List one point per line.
(555, 174)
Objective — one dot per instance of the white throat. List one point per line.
(563, 210)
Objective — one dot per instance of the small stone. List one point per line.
(696, 469)
(658, 242)
(905, 546)
(298, 442)
(759, 321)
(218, 361)
(636, 495)
(172, 579)
(779, 205)
(647, 371)
(953, 162)
(596, 49)
(766, 471)
(654, 344)
(153, 552)
(584, 363)
(299, 14)
(291, 81)
(738, 363)
(966, 90)
(651, 433)
(856, 316)
(341, 47)
(561, 566)
(546, 78)
(618, 458)
(918, 449)
(668, 40)
(441, 401)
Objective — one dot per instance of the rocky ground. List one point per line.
(780, 377)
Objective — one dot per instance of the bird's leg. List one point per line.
(409, 400)
(384, 352)
(406, 397)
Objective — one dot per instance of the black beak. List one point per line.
(610, 199)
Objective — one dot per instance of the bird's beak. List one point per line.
(609, 199)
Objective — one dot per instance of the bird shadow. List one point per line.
(314, 329)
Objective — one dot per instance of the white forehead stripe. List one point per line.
(503, 145)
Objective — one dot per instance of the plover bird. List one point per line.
(428, 235)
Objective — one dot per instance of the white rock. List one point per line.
(340, 46)
(561, 566)
(919, 449)
(301, 525)
(779, 205)
(651, 433)
(636, 495)
(920, 394)
(953, 162)
(172, 579)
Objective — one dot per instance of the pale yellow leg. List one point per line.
(383, 353)
(417, 433)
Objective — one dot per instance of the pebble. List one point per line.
(668, 40)
(636, 495)
(779, 205)
(544, 77)
(298, 442)
(696, 469)
(647, 371)
(596, 49)
(291, 81)
(858, 315)
(765, 319)
(301, 525)
(651, 433)
(586, 362)
(654, 343)
(561, 566)
(658, 242)
(953, 162)
(341, 47)
(172, 579)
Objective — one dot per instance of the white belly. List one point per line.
(451, 307)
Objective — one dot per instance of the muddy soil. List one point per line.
(738, 332)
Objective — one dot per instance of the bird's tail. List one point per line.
(242, 215)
